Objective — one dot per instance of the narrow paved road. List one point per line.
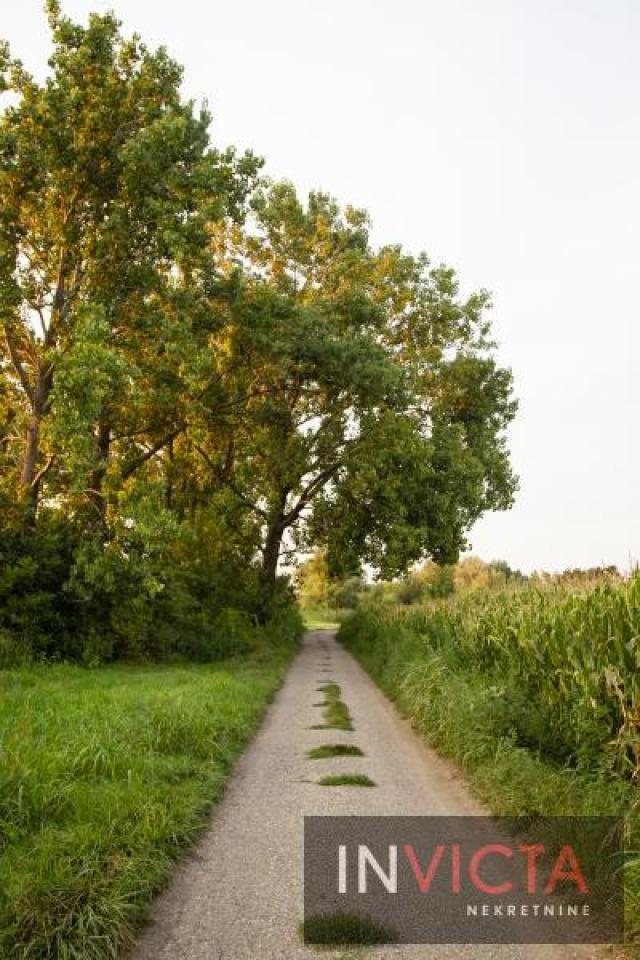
(239, 895)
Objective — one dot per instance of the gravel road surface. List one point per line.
(238, 896)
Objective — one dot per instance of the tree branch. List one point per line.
(151, 452)
(41, 474)
(310, 491)
(18, 365)
(229, 482)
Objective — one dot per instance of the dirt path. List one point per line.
(239, 895)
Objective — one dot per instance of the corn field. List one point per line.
(533, 690)
(565, 662)
(573, 655)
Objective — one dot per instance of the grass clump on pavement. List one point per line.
(347, 780)
(105, 776)
(344, 929)
(336, 712)
(334, 750)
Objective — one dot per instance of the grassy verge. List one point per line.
(105, 776)
(476, 717)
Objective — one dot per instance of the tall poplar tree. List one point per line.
(108, 186)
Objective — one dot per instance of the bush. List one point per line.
(134, 594)
(35, 611)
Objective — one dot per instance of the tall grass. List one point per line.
(564, 664)
(105, 775)
(534, 690)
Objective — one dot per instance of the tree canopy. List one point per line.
(203, 373)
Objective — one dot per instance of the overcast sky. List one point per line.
(501, 136)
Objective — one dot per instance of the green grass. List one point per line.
(344, 929)
(347, 780)
(336, 712)
(436, 666)
(334, 750)
(106, 775)
(320, 618)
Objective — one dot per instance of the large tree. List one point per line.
(108, 187)
(196, 394)
(371, 412)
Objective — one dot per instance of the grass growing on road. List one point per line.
(336, 712)
(347, 780)
(105, 776)
(334, 750)
(344, 929)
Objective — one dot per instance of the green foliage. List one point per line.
(336, 712)
(376, 414)
(36, 614)
(190, 395)
(346, 780)
(533, 690)
(105, 776)
(340, 929)
(562, 663)
(347, 592)
(65, 596)
(334, 750)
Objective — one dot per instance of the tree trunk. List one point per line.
(30, 491)
(169, 477)
(29, 478)
(270, 557)
(96, 483)
(276, 526)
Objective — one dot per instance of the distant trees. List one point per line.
(316, 588)
(201, 373)
(431, 581)
(313, 583)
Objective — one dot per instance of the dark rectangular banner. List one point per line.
(463, 880)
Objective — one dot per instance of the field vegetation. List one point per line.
(106, 776)
(532, 686)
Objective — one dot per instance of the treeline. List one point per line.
(318, 589)
(202, 373)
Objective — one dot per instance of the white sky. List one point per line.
(503, 137)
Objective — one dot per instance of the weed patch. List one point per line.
(334, 750)
(336, 712)
(344, 929)
(347, 780)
